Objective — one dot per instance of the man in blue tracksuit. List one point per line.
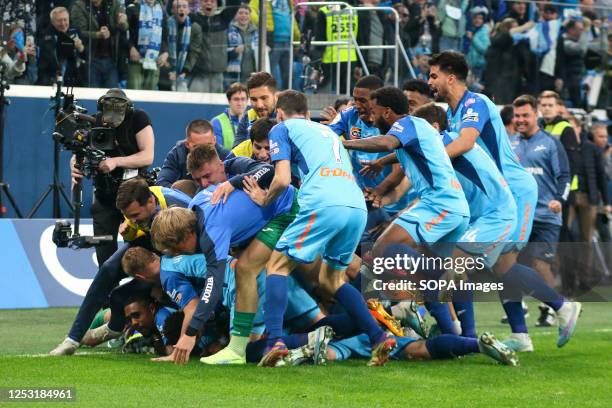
(545, 158)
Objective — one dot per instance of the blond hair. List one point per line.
(135, 260)
(171, 227)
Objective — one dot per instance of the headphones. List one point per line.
(118, 94)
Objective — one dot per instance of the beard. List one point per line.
(383, 126)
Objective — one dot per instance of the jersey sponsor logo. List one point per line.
(355, 133)
(539, 148)
(337, 172)
(208, 289)
(470, 116)
(536, 171)
(469, 102)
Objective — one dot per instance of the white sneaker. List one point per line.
(519, 342)
(99, 335)
(567, 317)
(65, 348)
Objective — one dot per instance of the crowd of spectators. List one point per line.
(513, 47)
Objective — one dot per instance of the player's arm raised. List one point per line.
(376, 144)
(281, 180)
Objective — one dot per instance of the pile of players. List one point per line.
(277, 264)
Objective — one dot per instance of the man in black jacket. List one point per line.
(207, 74)
(60, 51)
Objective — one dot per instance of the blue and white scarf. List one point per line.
(177, 59)
(150, 34)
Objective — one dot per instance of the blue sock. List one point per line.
(275, 305)
(464, 308)
(356, 308)
(342, 324)
(532, 284)
(450, 346)
(440, 312)
(511, 301)
(295, 340)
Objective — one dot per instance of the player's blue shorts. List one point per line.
(301, 308)
(487, 236)
(543, 241)
(359, 347)
(331, 232)
(526, 201)
(427, 225)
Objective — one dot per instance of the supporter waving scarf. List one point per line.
(150, 33)
(177, 58)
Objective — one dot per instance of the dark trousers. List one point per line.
(103, 73)
(108, 277)
(106, 221)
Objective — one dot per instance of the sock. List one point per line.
(342, 324)
(451, 346)
(356, 308)
(440, 312)
(242, 324)
(511, 298)
(532, 284)
(275, 306)
(295, 340)
(464, 307)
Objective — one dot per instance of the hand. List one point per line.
(162, 60)
(168, 358)
(123, 227)
(239, 49)
(30, 50)
(554, 206)
(78, 44)
(74, 172)
(469, 34)
(172, 76)
(182, 349)
(134, 55)
(371, 168)
(104, 33)
(558, 84)
(223, 190)
(108, 165)
(608, 209)
(122, 20)
(328, 114)
(257, 194)
(372, 195)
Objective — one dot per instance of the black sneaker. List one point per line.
(504, 319)
(547, 317)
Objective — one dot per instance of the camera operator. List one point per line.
(61, 50)
(131, 155)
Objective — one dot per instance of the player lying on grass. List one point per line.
(183, 278)
(139, 204)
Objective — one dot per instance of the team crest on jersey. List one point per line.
(355, 133)
(274, 149)
(470, 116)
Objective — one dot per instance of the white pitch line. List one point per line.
(83, 353)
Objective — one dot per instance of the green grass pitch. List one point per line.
(580, 374)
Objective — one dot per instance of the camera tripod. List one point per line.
(4, 187)
(56, 187)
